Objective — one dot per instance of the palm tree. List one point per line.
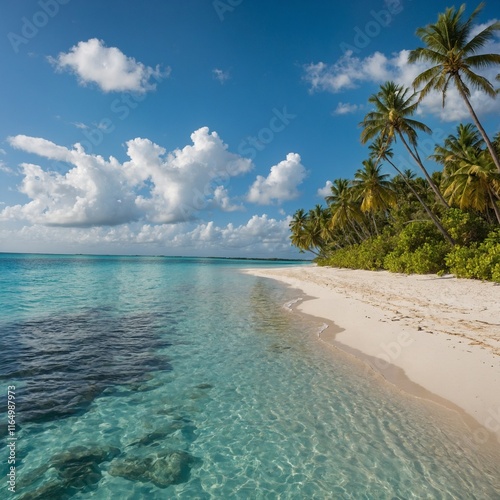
(374, 189)
(345, 211)
(453, 55)
(475, 184)
(297, 228)
(470, 174)
(379, 150)
(308, 230)
(390, 120)
(458, 147)
(317, 229)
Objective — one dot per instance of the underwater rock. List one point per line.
(79, 356)
(55, 490)
(204, 386)
(279, 347)
(77, 470)
(163, 470)
(183, 424)
(153, 438)
(80, 455)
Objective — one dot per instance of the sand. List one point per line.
(435, 337)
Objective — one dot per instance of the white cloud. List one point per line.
(152, 186)
(325, 190)
(222, 200)
(281, 183)
(80, 125)
(350, 72)
(108, 67)
(346, 108)
(259, 236)
(184, 181)
(221, 76)
(5, 168)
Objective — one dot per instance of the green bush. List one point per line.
(368, 255)
(419, 249)
(464, 227)
(479, 260)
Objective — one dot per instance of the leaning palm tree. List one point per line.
(459, 147)
(374, 189)
(391, 120)
(297, 228)
(379, 150)
(453, 54)
(345, 211)
(470, 176)
(475, 184)
(317, 230)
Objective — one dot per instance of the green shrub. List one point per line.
(464, 227)
(479, 260)
(368, 255)
(419, 249)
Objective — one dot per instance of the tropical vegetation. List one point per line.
(448, 220)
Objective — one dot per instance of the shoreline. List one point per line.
(436, 338)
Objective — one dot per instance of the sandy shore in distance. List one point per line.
(438, 338)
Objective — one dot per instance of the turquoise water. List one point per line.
(148, 377)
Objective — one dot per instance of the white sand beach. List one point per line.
(435, 337)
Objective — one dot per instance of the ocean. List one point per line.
(163, 377)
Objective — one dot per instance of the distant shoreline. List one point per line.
(266, 259)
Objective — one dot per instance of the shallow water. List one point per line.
(143, 377)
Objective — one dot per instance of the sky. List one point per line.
(196, 127)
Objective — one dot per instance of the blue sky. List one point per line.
(194, 127)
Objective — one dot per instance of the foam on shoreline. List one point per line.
(435, 338)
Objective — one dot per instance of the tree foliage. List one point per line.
(447, 221)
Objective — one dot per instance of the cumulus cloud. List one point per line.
(346, 108)
(108, 67)
(185, 180)
(325, 190)
(5, 168)
(281, 183)
(154, 186)
(346, 73)
(259, 236)
(220, 75)
(351, 71)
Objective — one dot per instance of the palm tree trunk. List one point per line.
(356, 231)
(364, 230)
(416, 157)
(375, 224)
(495, 206)
(434, 219)
(489, 145)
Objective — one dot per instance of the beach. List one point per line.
(167, 377)
(437, 338)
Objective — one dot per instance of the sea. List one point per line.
(132, 377)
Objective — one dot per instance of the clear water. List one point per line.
(143, 377)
